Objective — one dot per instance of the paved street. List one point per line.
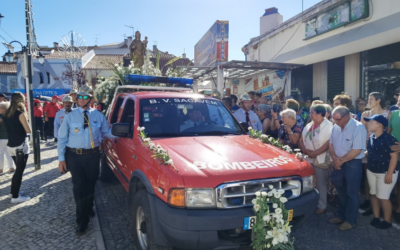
(46, 221)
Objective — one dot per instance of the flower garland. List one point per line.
(160, 153)
(271, 229)
(275, 142)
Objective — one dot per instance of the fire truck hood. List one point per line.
(208, 161)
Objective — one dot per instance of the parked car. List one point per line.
(204, 200)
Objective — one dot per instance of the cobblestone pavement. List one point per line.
(316, 234)
(46, 221)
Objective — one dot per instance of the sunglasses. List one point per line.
(84, 97)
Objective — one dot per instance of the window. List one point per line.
(115, 111)
(48, 77)
(13, 83)
(128, 115)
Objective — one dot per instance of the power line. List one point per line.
(96, 38)
(7, 33)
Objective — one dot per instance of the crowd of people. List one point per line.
(353, 148)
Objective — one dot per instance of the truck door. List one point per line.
(125, 146)
(110, 144)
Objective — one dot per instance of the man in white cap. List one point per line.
(246, 115)
(67, 102)
(73, 93)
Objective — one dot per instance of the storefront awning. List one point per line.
(237, 69)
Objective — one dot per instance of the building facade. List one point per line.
(347, 46)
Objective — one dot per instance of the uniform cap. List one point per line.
(46, 102)
(37, 101)
(67, 98)
(54, 97)
(73, 91)
(245, 97)
(86, 90)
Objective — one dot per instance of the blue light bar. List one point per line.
(132, 79)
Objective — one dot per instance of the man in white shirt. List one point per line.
(195, 119)
(245, 114)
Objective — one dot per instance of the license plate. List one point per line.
(249, 222)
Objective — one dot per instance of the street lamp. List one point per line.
(9, 57)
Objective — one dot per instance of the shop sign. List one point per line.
(345, 13)
(44, 92)
(235, 81)
(269, 85)
(213, 46)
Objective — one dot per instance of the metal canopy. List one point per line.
(236, 69)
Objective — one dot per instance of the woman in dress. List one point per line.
(314, 142)
(17, 129)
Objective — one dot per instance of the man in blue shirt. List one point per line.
(67, 101)
(79, 138)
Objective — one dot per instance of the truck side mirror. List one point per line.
(120, 129)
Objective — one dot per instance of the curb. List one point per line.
(97, 231)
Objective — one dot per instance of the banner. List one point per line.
(44, 92)
(270, 85)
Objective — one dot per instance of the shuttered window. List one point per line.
(335, 77)
(302, 83)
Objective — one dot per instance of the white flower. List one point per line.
(267, 218)
(254, 201)
(159, 146)
(271, 187)
(275, 205)
(297, 150)
(258, 193)
(256, 207)
(277, 195)
(170, 162)
(271, 139)
(146, 139)
(264, 136)
(250, 128)
(142, 128)
(270, 193)
(283, 199)
(264, 194)
(281, 191)
(278, 210)
(268, 245)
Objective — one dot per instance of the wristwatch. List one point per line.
(291, 133)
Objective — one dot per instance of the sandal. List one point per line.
(11, 170)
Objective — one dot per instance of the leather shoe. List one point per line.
(320, 211)
(80, 230)
(335, 220)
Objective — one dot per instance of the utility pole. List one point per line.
(302, 5)
(29, 91)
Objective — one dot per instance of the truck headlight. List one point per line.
(308, 184)
(200, 198)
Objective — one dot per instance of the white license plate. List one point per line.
(249, 222)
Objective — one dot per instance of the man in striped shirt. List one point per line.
(347, 147)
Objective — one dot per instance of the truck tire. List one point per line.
(142, 223)
(106, 174)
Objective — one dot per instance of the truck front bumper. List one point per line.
(216, 228)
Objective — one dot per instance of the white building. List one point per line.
(346, 45)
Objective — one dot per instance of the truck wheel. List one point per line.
(106, 173)
(142, 222)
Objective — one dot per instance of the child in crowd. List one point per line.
(381, 170)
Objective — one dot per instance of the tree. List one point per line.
(69, 75)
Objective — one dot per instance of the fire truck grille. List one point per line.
(240, 194)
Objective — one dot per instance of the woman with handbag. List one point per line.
(314, 142)
(18, 145)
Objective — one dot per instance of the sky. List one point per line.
(176, 25)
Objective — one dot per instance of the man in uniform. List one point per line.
(49, 114)
(67, 102)
(79, 138)
(73, 93)
(246, 115)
